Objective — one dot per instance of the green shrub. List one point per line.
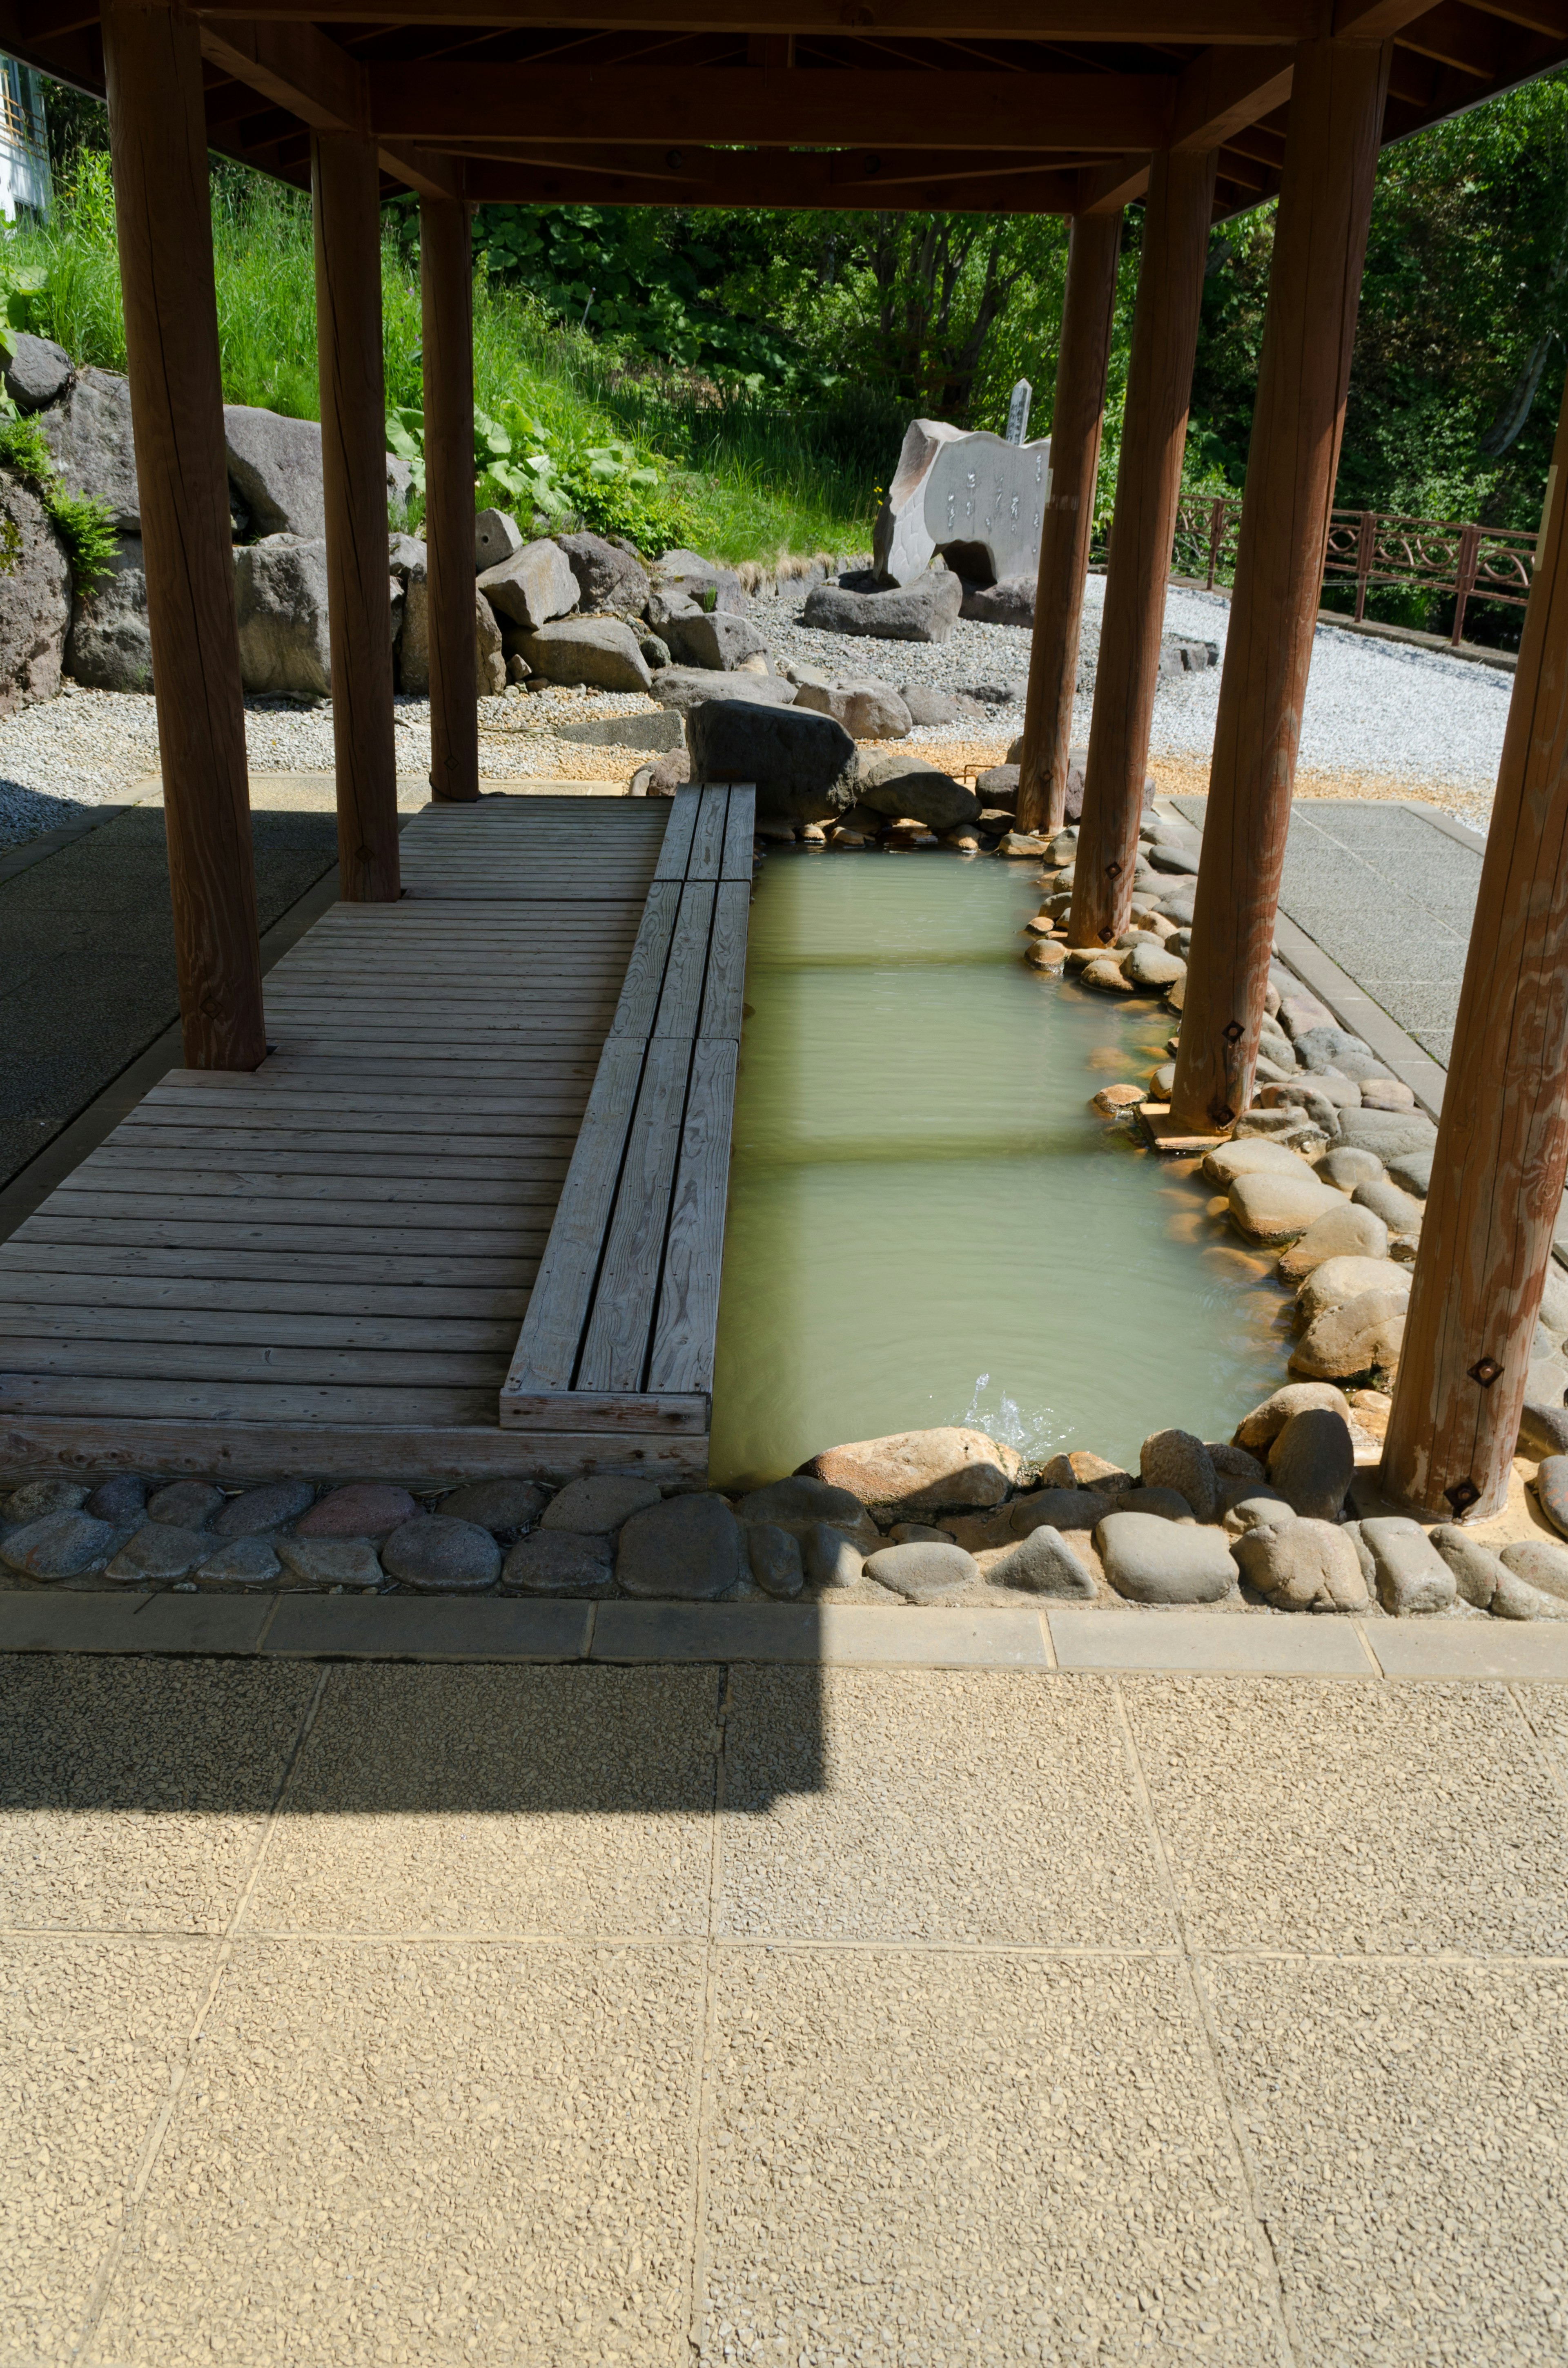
(85, 526)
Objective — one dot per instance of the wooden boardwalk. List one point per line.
(323, 1266)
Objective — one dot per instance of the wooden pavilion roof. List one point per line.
(1027, 105)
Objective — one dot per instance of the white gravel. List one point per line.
(1374, 709)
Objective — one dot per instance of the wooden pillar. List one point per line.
(346, 184)
(1148, 486)
(1087, 312)
(1502, 1152)
(158, 142)
(1320, 237)
(446, 283)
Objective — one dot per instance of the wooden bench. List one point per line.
(619, 1332)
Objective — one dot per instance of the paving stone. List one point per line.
(244, 1562)
(267, 1507)
(1043, 1564)
(830, 1558)
(561, 1561)
(365, 1508)
(774, 1558)
(504, 1508)
(686, 1547)
(186, 1504)
(1176, 1459)
(34, 1498)
(599, 1505)
(1156, 1561)
(924, 1574)
(1413, 1579)
(446, 1555)
(1313, 1462)
(329, 1561)
(160, 1550)
(1263, 1426)
(1304, 1566)
(60, 1545)
(121, 1500)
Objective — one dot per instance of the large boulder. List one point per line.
(88, 432)
(867, 709)
(897, 786)
(109, 646)
(598, 650)
(35, 599)
(532, 587)
(275, 468)
(924, 610)
(684, 574)
(38, 373)
(611, 579)
(280, 596)
(687, 687)
(921, 1470)
(717, 640)
(803, 765)
(1011, 602)
(975, 499)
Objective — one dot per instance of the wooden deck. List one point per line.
(322, 1267)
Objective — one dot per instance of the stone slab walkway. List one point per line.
(388, 2013)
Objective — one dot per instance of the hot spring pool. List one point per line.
(927, 1223)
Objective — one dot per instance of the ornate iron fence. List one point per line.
(1373, 547)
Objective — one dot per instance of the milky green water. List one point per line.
(927, 1223)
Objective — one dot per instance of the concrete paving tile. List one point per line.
(40, 1620)
(436, 2154)
(392, 1627)
(134, 1793)
(89, 2032)
(1408, 2132)
(500, 1800)
(1319, 1646)
(955, 1806)
(1360, 1817)
(1546, 1708)
(1471, 1649)
(936, 2159)
(865, 1633)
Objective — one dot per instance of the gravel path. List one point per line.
(1381, 719)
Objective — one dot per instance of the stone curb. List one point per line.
(1184, 1643)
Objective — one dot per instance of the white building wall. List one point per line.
(24, 144)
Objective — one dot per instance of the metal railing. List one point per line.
(1368, 548)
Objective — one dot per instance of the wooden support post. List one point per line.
(1148, 486)
(1320, 238)
(446, 283)
(1502, 1153)
(1087, 312)
(158, 142)
(346, 184)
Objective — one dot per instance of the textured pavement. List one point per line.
(390, 2012)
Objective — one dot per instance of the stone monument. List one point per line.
(976, 498)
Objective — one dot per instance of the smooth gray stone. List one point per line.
(688, 1547)
(447, 1555)
(531, 587)
(1171, 857)
(160, 1550)
(775, 1559)
(1552, 1488)
(360, 1508)
(1305, 1565)
(1060, 1509)
(38, 372)
(925, 611)
(504, 1508)
(1179, 1460)
(799, 1502)
(1400, 1212)
(911, 787)
(186, 1504)
(1155, 1561)
(1544, 1430)
(830, 1559)
(561, 1561)
(927, 706)
(599, 1504)
(34, 1498)
(1545, 1383)
(1044, 1564)
(329, 1562)
(1334, 1048)
(1159, 1504)
(121, 1500)
(244, 1562)
(496, 535)
(924, 1574)
(1412, 1169)
(1390, 1134)
(57, 1546)
(1252, 1506)
(1477, 1569)
(686, 688)
(265, 1507)
(1539, 1563)
(1346, 1166)
(1312, 1462)
(1413, 1579)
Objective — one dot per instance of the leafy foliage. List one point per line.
(85, 526)
(610, 487)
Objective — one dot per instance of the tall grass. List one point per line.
(753, 477)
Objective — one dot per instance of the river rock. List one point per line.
(59, 1545)
(364, 1508)
(1274, 1208)
(1485, 1580)
(447, 1556)
(599, 1504)
(775, 1559)
(924, 1574)
(1387, 1094)
(88, 433)
(971, 495)
(803, 765)
(799, 1504)
(504, 1508)
(719, 642)
(598, 650)
(1364, 1335)
(1313, 1462)
(122, 1500)
(244, 1562)
(1044, 1564)
(1390, 1134)
(1413, 1579)
(1080, 1468)
(1340, 1279)
(1253, 1157)
(1178, 1460)
(1304, 1566)
(1400, 1212)
(1552, 1490)
(687, 1548)
(1539, 1561)
(160, 1550)
(328, 1561)
(1155, 1561)
(186, 1504)
(1412, 1170)
(925, 611)
(610, 579)
(1543, 1429)
(34, 1498)
(1247, 1505)
(830, 1558)
(1059, 1508)
(1345, 1231)
(561, 1561)
(1330, 1047)
(921, 1470)
(109, 646)
(867, 709)
(280, 599)
(1346, 1166)
(1168, 1504)
(35, 599)
(38, 372)
(1234, 1463)
(1260, 1429)
(1152, 967)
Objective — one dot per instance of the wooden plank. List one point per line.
(678, 830)
(291, 1101)
(509, 1254)
(222, 1402)
(414, 1453)
(708, 838)
(687, 1321)
(724, 992)
(740, 832)
(107, 1176)
(155, 1361)
(681, 999)
(283, 1154)
(473, 1319)
(40, 1319)
(558, 1311)
(615, 1345)
(646, 971)
(461, 1281)
(590, 1411)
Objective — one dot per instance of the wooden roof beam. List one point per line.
(769, 182)
(296, 67)
(1105, 189)
(1547, 17)
(1247, 22)
(1223, 90)
(430, 175)
(1455, 37)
